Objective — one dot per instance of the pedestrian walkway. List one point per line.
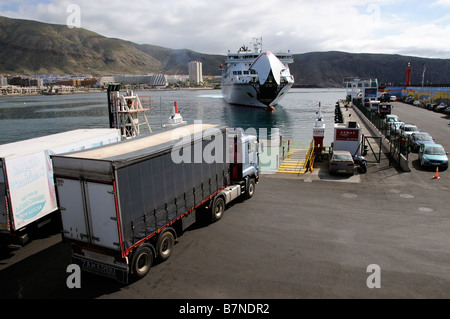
(294, 163)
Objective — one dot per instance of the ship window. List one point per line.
(239, 72)
(246, 72)
(252, 72)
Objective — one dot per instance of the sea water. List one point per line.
(25, 117)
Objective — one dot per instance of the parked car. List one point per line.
(440, 108)
(431, 106)
(393, 98)
(417, 139)
(447, 110)
(417, 103)
(341, 161)
(394, 128)
(409, 99)
(391, 118)
(433, 155)
(407, 129)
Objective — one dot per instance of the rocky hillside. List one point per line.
(330, 68)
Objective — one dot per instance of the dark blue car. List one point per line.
(417, 139)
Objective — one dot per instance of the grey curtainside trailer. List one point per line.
(124, 205)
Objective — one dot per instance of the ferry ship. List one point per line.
(256, 78)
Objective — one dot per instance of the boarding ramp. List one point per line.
(297, 158)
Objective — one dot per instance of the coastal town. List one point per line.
(51, 84)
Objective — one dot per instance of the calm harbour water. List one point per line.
(25, 117)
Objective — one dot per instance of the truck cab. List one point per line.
(243, 154)
(384, 109)
(374, 106)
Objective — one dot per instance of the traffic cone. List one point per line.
(436, 176)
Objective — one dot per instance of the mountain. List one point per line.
(31, 47)
(330, 68)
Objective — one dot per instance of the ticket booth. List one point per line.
(347, 137)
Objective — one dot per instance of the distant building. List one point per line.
(25, 81)
(3, 80)
(105, 80)
(171, 79)
(69, 82)
(151, 80)
(195, 72)
(78, 82)
(89, 82)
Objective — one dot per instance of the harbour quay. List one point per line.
(383, 234)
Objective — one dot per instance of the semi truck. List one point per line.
(384, 108)
(123, 206)
(27, 192)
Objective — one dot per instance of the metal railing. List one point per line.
(397, 144)
(309, 159)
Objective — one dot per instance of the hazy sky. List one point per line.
(418, 28)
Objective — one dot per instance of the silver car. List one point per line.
(341, 161)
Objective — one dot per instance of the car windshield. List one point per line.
(342, 157)
(423, 137)
(435, 150)
(411, 129)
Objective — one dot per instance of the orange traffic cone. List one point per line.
(436, 176)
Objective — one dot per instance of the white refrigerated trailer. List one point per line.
(124, 205)
(27, 192)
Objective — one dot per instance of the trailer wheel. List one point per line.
(165, 245)
(142, 261)
(218, 208)
(251, 188)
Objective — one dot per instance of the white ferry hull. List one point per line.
(246, 94)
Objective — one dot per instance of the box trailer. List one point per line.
(122, 206)
(27, 191)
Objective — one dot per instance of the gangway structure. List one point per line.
(127, 112)
(298, 160)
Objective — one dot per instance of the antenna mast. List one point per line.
(257, 44)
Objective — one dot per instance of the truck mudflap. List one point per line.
(117, 271)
